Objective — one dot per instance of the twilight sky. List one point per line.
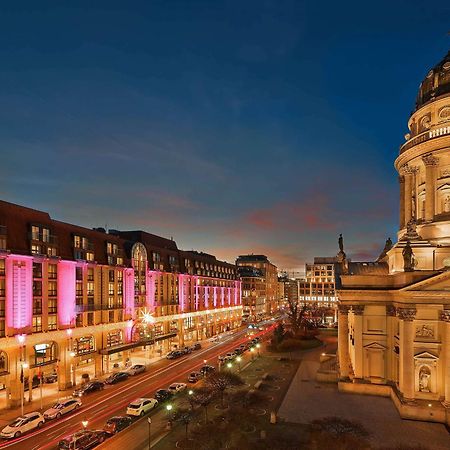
(233, 126)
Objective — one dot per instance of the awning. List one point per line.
(130, 345)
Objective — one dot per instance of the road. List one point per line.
(99, 406)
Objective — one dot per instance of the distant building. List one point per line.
(317, 289)
(290, 289)
(260, 285)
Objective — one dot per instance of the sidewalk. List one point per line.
(308, 400)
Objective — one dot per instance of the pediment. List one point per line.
(439, 282)
(375, 346)
(425, 355)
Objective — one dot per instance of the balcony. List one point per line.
(426, 136)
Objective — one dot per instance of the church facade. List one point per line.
(394, 313)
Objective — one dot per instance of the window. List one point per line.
(79, 320)
(79, 274)
(114, 338)
(111, 316)
(77, 241)
(90, 318)
(90, 275)
(45, 235)
(90, 288)
(37, 306)
(35, 233)
(37, 324)
(2, 287)
(111, 275)
(37, 270)
(52, 289)
(89, 256)
(84, 345)
(37, 288)
(3, 362)
(2, 307)
(52, 305)
(44, 353)
(51, 251)
(52, 271)
(111, 288)
(2, 267)
(79, 289)
(36, 249)
(2, 328)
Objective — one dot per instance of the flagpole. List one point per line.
(40, 385)
(22, 390)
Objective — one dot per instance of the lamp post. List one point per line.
(72, 369)
(190, 394)
(149, 420)
(239, 359)
(258, 345)
(169, 421)
(23, 366)
(229, 366)
(85, 423)
(252, 351)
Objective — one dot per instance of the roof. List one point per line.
(436, 83)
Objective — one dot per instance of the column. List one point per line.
(401, 180)
(430, 163)
(358, 369)
(343, 355)
(408, 195)
(391, 317)
(406, 375)
(445, 317)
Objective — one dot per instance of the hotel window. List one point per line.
(79, 320)
(51, 251)
(2, 287)
(52, 271)
(51, 323)
(119, 302)
(36, 249)
(77, 241)
(90, 319)
(45, 235)
(2, 307)
(37, 270)
(37, 324)
(37, 288)
(90, 274)
(89, 256)
(2, 267)
(52, 305)
(90, 288)
(79, 273)
(111, 316)
(110, 288)
(120, 316)
(35, 233)
(111, 276)
(79, 289)
(52, 289)
(37, 306)
(114, 338)
(84, 345)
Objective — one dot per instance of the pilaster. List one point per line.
(358, 311)
(406, 378)
(430, 188)
(445, 317)
(343, 353)
(401, 180)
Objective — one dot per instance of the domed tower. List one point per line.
(424, 175)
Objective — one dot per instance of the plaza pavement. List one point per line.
(307, 400)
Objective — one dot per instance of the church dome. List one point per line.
(436, 83)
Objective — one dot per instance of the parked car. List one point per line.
(141, 406)
(88, 388)
(238, 351)
(163, 395)
(116, 377)
(177, 387)
(62, 407)
(82, 440)
(186, 350)
(207, 369)
(173, 354)
(222, 358)
(51, 378)
(197, 346)
(194, 377)
(231, 355)
(135, 369)
(22, 424)
(116, 424)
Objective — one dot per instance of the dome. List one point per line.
(436, 83)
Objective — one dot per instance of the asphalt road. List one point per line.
(113, 400)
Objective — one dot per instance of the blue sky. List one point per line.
(247, 126)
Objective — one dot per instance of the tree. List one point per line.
(203, 397)
(296, 315)
(278, 334)
(184, 416)
(219, 382)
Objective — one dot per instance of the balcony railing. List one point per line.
(427, 135)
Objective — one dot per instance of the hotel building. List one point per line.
(73, 298)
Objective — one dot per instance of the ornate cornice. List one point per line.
(430, 160)
(343, 309)
(408, 170)
(358, 310)
(406, 314)
(444, 315)
(391, 310)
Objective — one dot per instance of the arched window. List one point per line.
(84, 345)
(142, 332)
(4, 366)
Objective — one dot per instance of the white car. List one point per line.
(141, 406)
(22, 424)
(62, 407)
(177, 387)
(136, 368)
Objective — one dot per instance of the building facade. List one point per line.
(73, 298)
(260, 277)
(317, 289)
(394, 313)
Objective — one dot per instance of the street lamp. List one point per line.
(252, 351)
(258, 345)
(239, 359)
(84, 422)
(72, 368)
(204, 361)
(23, 366)
(149, 420)
(169, 422)
(229, 365)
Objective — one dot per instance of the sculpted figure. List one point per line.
(408, 257)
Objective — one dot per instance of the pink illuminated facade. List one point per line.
(74, 296)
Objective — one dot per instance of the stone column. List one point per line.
(358, 369)
(401, 180)
(445, 317)
(344, 359)
(406, 375)
(430, 189)
(389, 370)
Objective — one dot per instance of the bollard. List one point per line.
(273, 417)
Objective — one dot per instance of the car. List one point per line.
(162, 395)
(62, 407)
(135, 369)
(197, 346)
(141, 406)
(51, 378)
(82, 440)
(231, 355)
(207, 369)
(222, 358)
(116, 377)
(238, 351)
(22, 424)
(116, 424)
(186, 350)
(194, 377)
(92, 386)
(177, 387)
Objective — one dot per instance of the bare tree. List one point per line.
(296, 315)
(185, 417)
(219, 382)
(203, 397)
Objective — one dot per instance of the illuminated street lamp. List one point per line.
(84, 422)
(258, 345)
(229, 365)
(252, 351)
(239, 359)
(169, 422)
(204, 361)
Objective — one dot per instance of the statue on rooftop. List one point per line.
(408, 257)
(341, 243)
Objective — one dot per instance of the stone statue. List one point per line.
(424, 379)
(341, 243)
(408, 257)
(387, 247)
(411, 230)
(413, 206)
